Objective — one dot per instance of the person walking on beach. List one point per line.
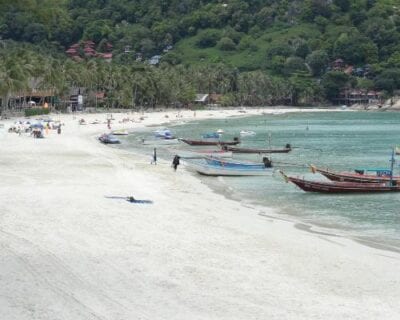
(175, 162)
(154, 160)
(59, 129)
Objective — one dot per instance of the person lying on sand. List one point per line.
(133, 200)
(130, 199)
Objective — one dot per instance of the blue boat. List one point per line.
(213, 135)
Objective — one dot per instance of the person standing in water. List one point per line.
(175, 162)
(154, 160)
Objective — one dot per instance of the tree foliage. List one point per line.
(280, 39)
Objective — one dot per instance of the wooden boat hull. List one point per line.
(210, 170)
(161, 142)
(353, 177)
(342, 187)
(234, 164)
(252, 150)
(209, 143)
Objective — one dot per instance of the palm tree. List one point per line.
(14, 75)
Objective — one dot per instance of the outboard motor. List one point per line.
(267, 162)
(288, 146)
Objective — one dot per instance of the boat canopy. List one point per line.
(378, 171)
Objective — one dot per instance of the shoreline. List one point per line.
(313, 226)
(70, 253)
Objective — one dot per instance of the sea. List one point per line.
(341, 141)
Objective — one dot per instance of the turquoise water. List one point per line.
(338, 140)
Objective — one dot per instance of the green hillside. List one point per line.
(288, 51)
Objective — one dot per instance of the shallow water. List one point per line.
(338, 140)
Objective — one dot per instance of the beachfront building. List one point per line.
(32, 98)
(359, 96)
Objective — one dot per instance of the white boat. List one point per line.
(245, 133)
(220, 131)
(163, 133)
(211, 170)
(202, 153)
(121, 132)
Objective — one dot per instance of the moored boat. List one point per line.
(216, 170)
(121, 132)
(210, 142)
(287, 149)
(164, 134)
(202, 153)
(247, 133)
(108, 139)
(360, 175)
(239, 164)
(160, 141)
(342, 187)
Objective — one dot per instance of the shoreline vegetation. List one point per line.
(72, 251)
(129, 54)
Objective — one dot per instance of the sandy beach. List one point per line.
(69, 252)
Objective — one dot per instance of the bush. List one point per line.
(36, 111)
(208, 39)
(226, 44)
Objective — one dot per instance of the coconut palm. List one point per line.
(14, 75)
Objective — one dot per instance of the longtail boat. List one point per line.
(342, 187)
(217, 170)
(287, 149)
(360, 175)
(239, 164)
(210, 142)
(198, 154)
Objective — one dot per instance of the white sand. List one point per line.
(67, 252)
